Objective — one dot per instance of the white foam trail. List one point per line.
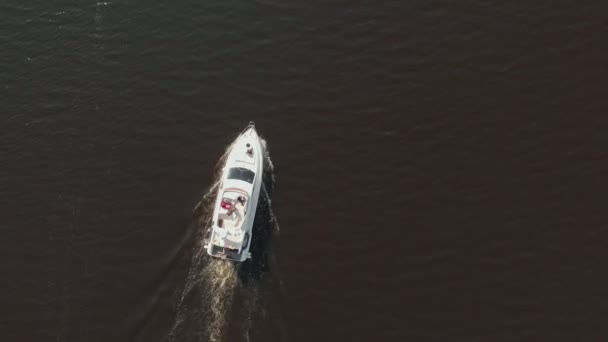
(268, 162)
(273, 219)
(222, 280)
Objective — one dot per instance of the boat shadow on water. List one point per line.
(264, 228)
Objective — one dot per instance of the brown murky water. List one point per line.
(440, 170)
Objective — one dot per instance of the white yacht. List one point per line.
(237, 198)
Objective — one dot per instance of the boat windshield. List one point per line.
(241, 173)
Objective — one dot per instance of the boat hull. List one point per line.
(238, 195)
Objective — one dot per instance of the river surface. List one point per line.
(440, 169)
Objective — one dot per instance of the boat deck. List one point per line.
(231, 219)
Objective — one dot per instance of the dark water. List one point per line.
(440, 169)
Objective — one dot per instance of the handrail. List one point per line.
(250, 125)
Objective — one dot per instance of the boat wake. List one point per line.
(222, 282)
(212, 285)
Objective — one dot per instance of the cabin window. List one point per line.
(241, 173)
